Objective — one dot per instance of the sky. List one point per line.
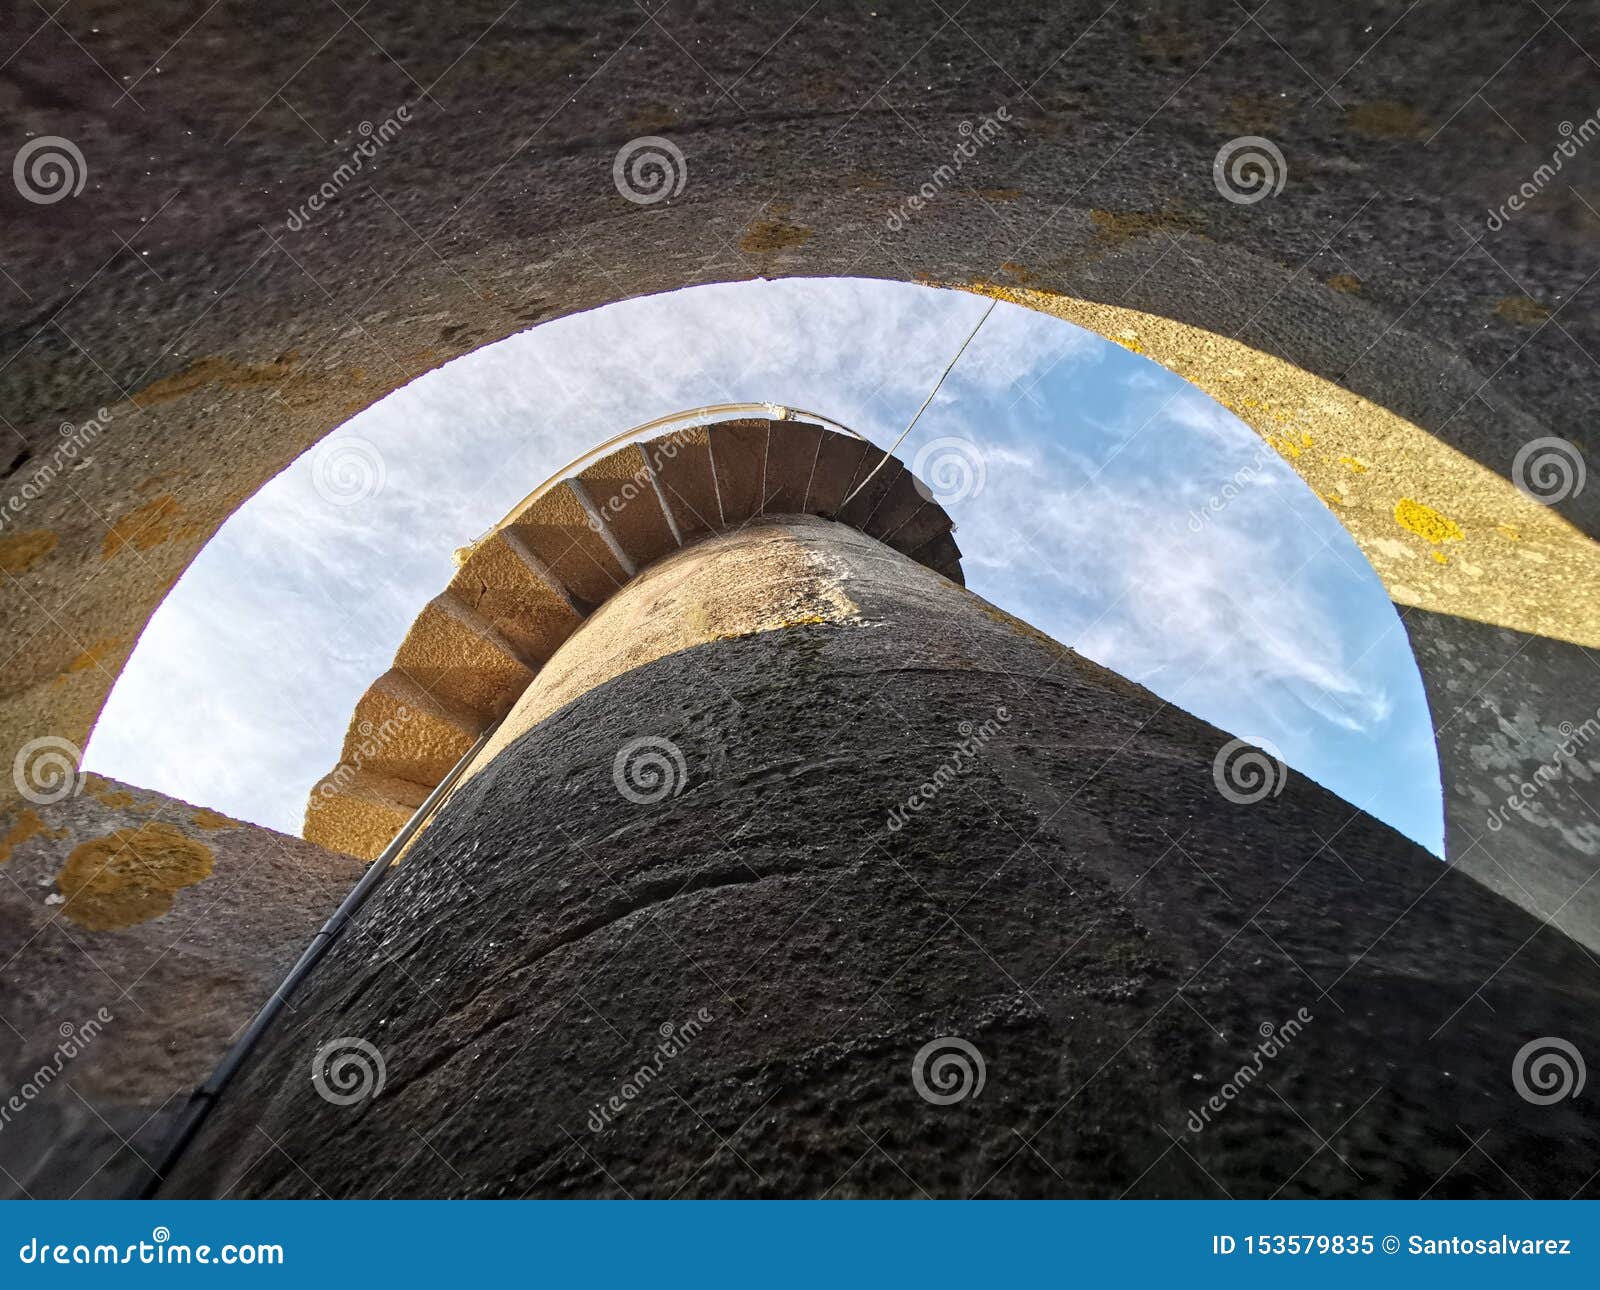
(1096, 495)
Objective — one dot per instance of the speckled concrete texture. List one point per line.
(137, 935)
(925, 824)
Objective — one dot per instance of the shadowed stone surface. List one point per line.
(1078, 901)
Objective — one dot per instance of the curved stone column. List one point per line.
(880, 891)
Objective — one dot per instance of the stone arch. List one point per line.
(222, 335)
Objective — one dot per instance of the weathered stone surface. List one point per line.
(1071, 894)
(138, 934)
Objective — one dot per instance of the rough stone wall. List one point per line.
(137, 935)
(225, 329)
(695, 932)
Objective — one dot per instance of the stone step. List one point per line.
(838, 466)
(739, 457)
(517, 594)
(401, 731)
(924, 524)
(860, 508)
(791, 458)
(458, 657)
(623, 490)
(359, 812)
(560, 529)
(682, 464)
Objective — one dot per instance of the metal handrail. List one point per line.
(205, 1097)
(709, 412)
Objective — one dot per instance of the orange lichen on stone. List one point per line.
(102, 792)
(28, 825)
(1426, 522)
(1345, 282)
(205, 818)
(95, 655)
(766, 236)
(1523, 310)
(1387, 119)
(21, 551)
(213, 369)
(130, 876)
(1117, 227)
(143, 527)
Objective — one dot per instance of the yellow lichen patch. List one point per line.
(1357, 466)
(101, 790)
(19, 552)
(1129, 340)
(205, 818)
(1345, 282)
(1117, 227)
(28, 825)
(1387, 119)
(96, 654)
(1426, 522)
(143, 527)
(1523, 310)
(130, 876)
(213, 369)
(1439, 557)
(768, 236)
(1539, 574)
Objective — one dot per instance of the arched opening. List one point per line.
(1098, 496)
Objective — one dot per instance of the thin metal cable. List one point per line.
(925, 402)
